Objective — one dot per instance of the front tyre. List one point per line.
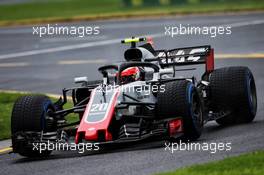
(30, 114)
(182, 99)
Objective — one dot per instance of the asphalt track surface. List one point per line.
(52, 69)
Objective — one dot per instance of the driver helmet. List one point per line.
(130, 74)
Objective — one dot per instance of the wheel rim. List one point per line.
(252, 95)
(47, 110)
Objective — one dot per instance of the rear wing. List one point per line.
(187, 56)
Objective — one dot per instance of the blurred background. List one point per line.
(28, 11)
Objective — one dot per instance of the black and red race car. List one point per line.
(141, 98)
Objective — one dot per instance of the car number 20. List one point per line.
(99, 107)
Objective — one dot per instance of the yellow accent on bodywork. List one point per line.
(130, 40)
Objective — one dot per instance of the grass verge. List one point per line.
(7, 101)
(247, 164)
(76, 10)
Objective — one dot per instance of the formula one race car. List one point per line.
(141, 98)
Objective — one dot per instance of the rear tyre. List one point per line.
(30, 114)
(233, 89)
(181, 98)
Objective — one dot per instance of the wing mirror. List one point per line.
(80, 80)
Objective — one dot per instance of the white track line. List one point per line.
(239, 56)
(71, 62)
(103, 61)
(22, 64)
(67, 38)
(101, 43)
(65, 48)
(247, 23)
(58, 49)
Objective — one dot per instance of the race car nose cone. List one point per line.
(91, 135)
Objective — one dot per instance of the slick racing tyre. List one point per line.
(30, 114)
(233, 89)
(181, 98)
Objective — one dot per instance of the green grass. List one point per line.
(68, 10)
(247, 164)
(6, 104)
